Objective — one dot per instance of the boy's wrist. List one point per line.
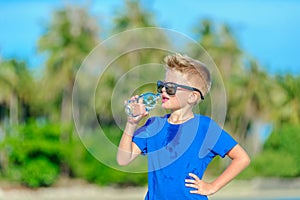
(130, 128)
(131, 123)
(215, 187)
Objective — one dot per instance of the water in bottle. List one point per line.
(149, 99)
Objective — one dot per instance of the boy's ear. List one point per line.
(194, 97)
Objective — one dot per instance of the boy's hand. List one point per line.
(201, 187)
(139, 110)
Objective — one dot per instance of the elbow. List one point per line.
(246, 161)
(121, 161)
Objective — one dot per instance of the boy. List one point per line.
(174, 142)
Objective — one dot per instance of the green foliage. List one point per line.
(69, 37)
(94, 171)
(36, 156)
(285, 139)
(34, 153)
(84, 165)
(280, 157)
(39, 172)
(16, 83)
(272, 164)
(290, 108)
(133, 15)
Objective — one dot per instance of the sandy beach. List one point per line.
(279, 189)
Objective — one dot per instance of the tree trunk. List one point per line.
(66, 111)
(13, 110)
(66, 118)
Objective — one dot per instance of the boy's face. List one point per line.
(180, 99)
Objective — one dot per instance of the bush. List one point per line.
(39, 172)
(280, 156)
(84, 165)
(95, 172)
(34, 154)
(284, 142)
(275, 164)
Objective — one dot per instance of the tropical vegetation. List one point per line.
(38, 139)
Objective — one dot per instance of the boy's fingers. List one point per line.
(146, 113)
(194, 176)
(194, 191)
(190, 181)
(191, 185)
(134, 97)
(140, 100)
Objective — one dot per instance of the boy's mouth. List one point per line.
(164, 99)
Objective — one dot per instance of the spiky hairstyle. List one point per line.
(194, 71)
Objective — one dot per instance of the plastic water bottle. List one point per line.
(149, 99)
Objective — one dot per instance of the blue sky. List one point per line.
(269, 30)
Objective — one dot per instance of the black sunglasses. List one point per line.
(172, 87)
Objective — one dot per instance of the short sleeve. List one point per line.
(224, 144)
(217, 140)
(140, 137)
(141, 143)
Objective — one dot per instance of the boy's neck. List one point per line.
(179, 117)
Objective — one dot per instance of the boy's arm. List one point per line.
(240, 160)
(127, 150)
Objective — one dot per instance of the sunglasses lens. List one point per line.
(160, 86)
(170, 89)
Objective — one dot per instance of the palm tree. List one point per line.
(248, 87)
(68, 38)
(290, 107)
(15, 85)
(220, 44)
(132, 16)
(252, 99)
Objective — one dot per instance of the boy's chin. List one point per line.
(164, 106)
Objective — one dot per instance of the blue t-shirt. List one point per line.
(175, 150)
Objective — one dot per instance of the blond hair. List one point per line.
(195, 71)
